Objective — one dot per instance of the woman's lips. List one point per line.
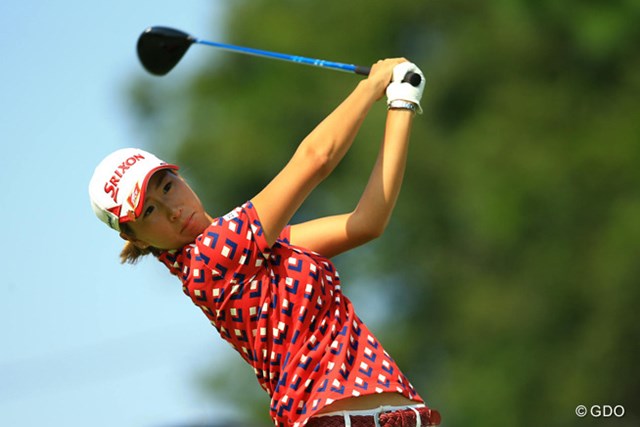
(187, 223)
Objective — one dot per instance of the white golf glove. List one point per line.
(400, 93)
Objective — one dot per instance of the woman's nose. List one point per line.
(174, 213)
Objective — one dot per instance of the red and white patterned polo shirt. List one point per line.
(282, 309)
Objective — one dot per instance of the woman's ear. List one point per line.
(137, 243)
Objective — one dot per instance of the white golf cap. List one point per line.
(118, 184)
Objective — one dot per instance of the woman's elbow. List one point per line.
(375, 231)
(365, 230)
(316, 159)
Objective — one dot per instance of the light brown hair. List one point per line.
(130, 253)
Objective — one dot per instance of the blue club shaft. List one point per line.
(349, 68)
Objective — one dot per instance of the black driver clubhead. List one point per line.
(161, 48)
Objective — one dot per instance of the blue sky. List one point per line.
(84, 340)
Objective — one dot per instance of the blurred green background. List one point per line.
(506, 285)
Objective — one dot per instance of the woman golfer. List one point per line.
(269, 288)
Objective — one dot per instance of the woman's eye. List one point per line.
(148, 211)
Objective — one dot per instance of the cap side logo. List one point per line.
(134, 197)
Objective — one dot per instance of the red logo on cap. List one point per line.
(134, 197)
(111, 186)
(116, 210)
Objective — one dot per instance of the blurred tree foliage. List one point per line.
(511, 261)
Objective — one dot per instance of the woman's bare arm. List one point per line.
(333, 235)
(319, 153)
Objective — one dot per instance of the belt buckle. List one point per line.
(375, 416)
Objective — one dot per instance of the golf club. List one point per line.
(161, 48)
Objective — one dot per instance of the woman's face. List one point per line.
(172, 214)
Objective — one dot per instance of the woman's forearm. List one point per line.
(376, 204)
(333, 137)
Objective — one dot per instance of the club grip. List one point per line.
(412, 78)
(363, 71)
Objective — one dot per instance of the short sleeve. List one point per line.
(285, 235)
(233, 246)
